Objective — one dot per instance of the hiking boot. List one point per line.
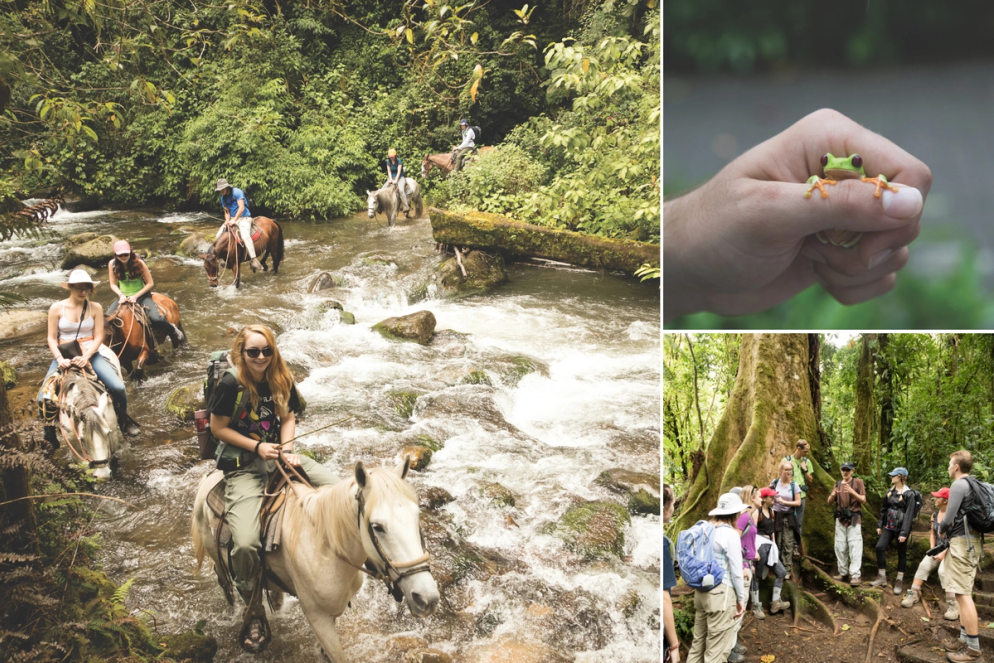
(965, 655)
(757, 612)
(128, 425)
(881, 581)
(855, 582)
(735, 658)
(840, 576)
(954, 645)
(405, 209)
(255, 265)
(898, 586)
(740, 649)
(913, 597)
(777, 606)
(952, 611)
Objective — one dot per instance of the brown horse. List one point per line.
(268, 242)
(444, 161)
(130, 337)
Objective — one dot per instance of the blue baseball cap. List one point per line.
(898, 470)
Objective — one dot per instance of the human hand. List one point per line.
(941, 556)
(131, 300)
(902, 539)
(675, 655)
(744, 241)
(739, 609)
(878, 532)
(268, 451)
(63, 362)
(79, 362)
(122, 298)
(292, 459)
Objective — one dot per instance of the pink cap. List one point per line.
(121, 246)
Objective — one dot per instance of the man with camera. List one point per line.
(934, 559)
(962, 558)
(849, 495)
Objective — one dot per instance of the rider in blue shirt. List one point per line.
(237, 213)
(395, 175)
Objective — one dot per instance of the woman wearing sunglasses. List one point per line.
(131, 281)
(252, 416)
(79, 320)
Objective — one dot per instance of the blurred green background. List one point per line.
(919, 73)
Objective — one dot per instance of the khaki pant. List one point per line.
(245, 230)
(961, 564)
(849, 548)
(785, 541)
(929, 564)
(714, 626)
(243, 489)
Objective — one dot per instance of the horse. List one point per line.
(444, 161)
(387, 201)
(269, 242)
(88, 421)
(132, 338)
(328, 534)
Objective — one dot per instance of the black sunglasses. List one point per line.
(254, 352)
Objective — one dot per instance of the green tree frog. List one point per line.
(843, 168)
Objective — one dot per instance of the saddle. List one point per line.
(256, 234)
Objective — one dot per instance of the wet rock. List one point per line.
(512, 369)
(325, 281)
(497, 494)
(329, 305)
(484, 272)
(346, 318)
(641, 488)
(449, 343)
(453, 559)
(194, 245)
(435, 498)
(474, 402)
(81, 238)
(427, 656)
(96, 252)
(183, 402)
(420, 456)
(477, 377)
(190, 646)
(8, 375)
(428, 441)
(403, 401)
(378, 261)
(18, 324)
(515, 652)
(399, 644)
(418, 327)
(92, 271)
(594, 530)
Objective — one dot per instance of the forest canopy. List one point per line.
(150, 101)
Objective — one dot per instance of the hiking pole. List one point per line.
(316, 430)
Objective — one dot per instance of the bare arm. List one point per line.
(112, 280)
(53, 334)
(669, 623)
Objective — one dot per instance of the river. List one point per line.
(592, 404)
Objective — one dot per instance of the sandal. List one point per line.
(255, 636)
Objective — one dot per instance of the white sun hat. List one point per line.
(77, 277)
(728, 504)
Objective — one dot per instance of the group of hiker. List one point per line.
(755, 532)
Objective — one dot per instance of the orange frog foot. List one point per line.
(818, 183)
(880, 185)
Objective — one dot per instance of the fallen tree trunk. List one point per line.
(490, 231)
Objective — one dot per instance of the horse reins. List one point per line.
(117, 319)
(84, 457)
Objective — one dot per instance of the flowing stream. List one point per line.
(591, 402)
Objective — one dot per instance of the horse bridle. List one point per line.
(413, 567)
(85, 457)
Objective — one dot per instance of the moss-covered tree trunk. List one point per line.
(863, 442)
(885, 380)
(17, 518)
(770, 408)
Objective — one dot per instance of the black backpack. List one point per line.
(216, 368)
(980, 512)
(476, 132)
(918, 503)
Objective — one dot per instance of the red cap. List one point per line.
(767, 492)
(942, 492)
(121, 246)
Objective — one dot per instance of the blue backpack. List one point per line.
(696, 556)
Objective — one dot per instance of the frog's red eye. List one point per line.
(857, 161)
(824, 160)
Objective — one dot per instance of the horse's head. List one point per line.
(372, 202)
(391, 535)
(211, 266)
(88, 416)
(425, 166)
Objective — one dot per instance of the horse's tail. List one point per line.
(278, 253)
(198, 544)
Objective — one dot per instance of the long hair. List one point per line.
(133, 267)
(277, 374)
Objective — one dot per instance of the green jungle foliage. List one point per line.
(940, 388)
(718, 35)
(150, 101)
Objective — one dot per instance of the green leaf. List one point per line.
(410, 35)
(474, 38)
(89, 132)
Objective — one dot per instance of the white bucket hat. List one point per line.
(728, 504)
(78, 276)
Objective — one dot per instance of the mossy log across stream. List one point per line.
(490, 231)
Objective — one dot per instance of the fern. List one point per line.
(647, 272)
(122, 592)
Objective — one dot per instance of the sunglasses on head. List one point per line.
(254, 352)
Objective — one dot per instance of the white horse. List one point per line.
(89, 423)
(328, 534)
(386, 200)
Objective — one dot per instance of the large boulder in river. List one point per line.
(641, 488)
(194, 245)
(484, 272)
(509, 651)
(18, 324)
(81, 238)
(594, 530)
(418, 327)
(96, 252)
(183, 402)
(325, 281)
